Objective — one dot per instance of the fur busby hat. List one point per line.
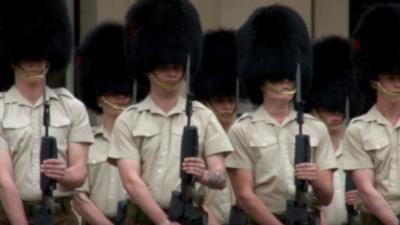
(333, 80)
(376, 46)
(270, 45)
(101, 64)
(160, 32)
(35, 29)
(218, 73)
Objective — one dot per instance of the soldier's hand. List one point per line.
(306, 171)
(53, 168)
(351, 197)
(194, 166)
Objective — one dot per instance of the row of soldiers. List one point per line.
(132, 158)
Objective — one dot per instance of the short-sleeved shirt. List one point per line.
(145, 133)
(266, 147)
(21, 129)
(371, 142)
(103, 183)
(336, 213)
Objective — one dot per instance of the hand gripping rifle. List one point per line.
(48, 150)
(352, 214)
(297, 209)
(183, 207)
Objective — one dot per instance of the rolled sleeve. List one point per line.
(354, 156)
(122, 142)
(325, 155)
(240, 158)
(216, 140)
(80, 130)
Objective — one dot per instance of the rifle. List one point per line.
(352, 214)
(48, 150)
(297, 209)
(183, 207)
(237, 216)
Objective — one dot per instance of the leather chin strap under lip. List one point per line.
(162, 84)
(279, 91)
(111, 105)
(378, 86)
(330, 127)
(209, 105)
(28, 76)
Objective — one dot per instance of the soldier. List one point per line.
(371, 141)
(36, 39)
(215, 86)
(106, 89)
(271, 43)
(146, 138)
(333, 85)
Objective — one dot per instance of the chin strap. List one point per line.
(29, 76)
(111, 105)
(279, 91)
(378, 86)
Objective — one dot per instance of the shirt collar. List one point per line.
(14, 96)
(262, 115)
(100, 131)
(374, 115)
(148, 104)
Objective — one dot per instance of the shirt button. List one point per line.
(159, 170)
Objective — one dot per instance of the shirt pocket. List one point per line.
(264, 152)
(18, 133)
(59, 128)
(147, 139)
(378, 148)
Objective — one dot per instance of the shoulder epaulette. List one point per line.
(63, 92)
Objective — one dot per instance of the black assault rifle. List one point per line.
(48, 150)
(183, 207)
(297, 209)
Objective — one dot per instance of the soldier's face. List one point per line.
(390, 82)
(170, 74)
(31, 70)
(333, 120)
(113, 104)
(279, 90)
(224, 108)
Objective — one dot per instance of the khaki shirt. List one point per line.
(145, 133)
(371, 142)
(21, 129)
(267, 149)
(336, 213)
(104, 183)
(220, 202)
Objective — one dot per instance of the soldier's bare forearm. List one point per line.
(214, 179)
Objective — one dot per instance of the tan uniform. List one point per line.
(104, 183)
(371, 142)
(145, 133)
(21, 129)
(267, 149)
(336, 213)
(220, 202)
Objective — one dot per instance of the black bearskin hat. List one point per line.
(101, 65)
(218, 73)
(333, 79)
(270, 45)
(160, 32)
(35, 29)
(376, 46)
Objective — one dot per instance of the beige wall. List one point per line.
(322, 17)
